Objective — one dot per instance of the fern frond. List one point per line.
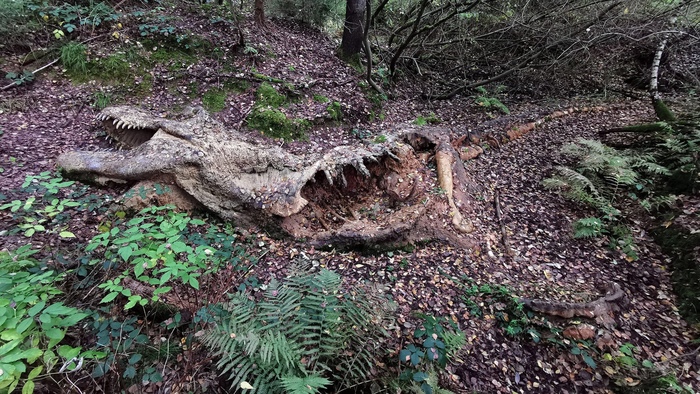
(299, 330)
(588, 228)
(306, 385)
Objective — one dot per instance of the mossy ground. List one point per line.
(274, 123)
(214, 100)
(267, 118)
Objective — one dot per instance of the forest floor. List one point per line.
(55, 114)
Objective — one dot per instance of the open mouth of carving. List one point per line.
(127, 135)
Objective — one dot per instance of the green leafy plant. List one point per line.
(123, 344)
(425, 120)
(488, 102)
(602, 177)
(679, 151)
(33, 324)
(589, 227)
(159, 250)
(301, 336)
(45, 210)
(70, 17)
(584, 349)
(15, 21)
(20, 78)
(335, 111)
(435, 345)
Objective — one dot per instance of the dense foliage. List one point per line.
(305, 334)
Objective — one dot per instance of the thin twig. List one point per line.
(33, 72)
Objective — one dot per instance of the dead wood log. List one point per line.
(600, 309)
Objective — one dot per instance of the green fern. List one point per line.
(305, 385)
(602, 176)
(303, 335)
(588, 228)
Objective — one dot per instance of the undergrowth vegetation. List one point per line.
(147, 292)
(609, 180)
(306, 333)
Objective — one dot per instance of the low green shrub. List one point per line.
(158, 249)
(604, 176)
(16, 21)
(489, 102)
(425, 120)
(335, 111)
(435, 344)
(302, 335)
(33, 324)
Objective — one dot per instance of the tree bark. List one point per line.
(353, 32)
(259, 12)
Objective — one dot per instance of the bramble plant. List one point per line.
(22, 78)
(160, 250)
(32, 324)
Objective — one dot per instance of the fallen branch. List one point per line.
(499, 216)
(33, 72)
(600, 309)
(444, 160)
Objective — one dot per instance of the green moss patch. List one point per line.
(274, 123)
(214, 100)
(269, 96)
(335, 111)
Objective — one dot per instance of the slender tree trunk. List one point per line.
(259, 12)
(662, 111)
(353, 32)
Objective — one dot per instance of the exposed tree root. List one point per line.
(601, 309)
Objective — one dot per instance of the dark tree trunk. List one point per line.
(259, 12)
(353, 32)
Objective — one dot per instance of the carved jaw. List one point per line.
(133, 131)
(129, 127)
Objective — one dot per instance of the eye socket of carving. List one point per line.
(125, 134)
